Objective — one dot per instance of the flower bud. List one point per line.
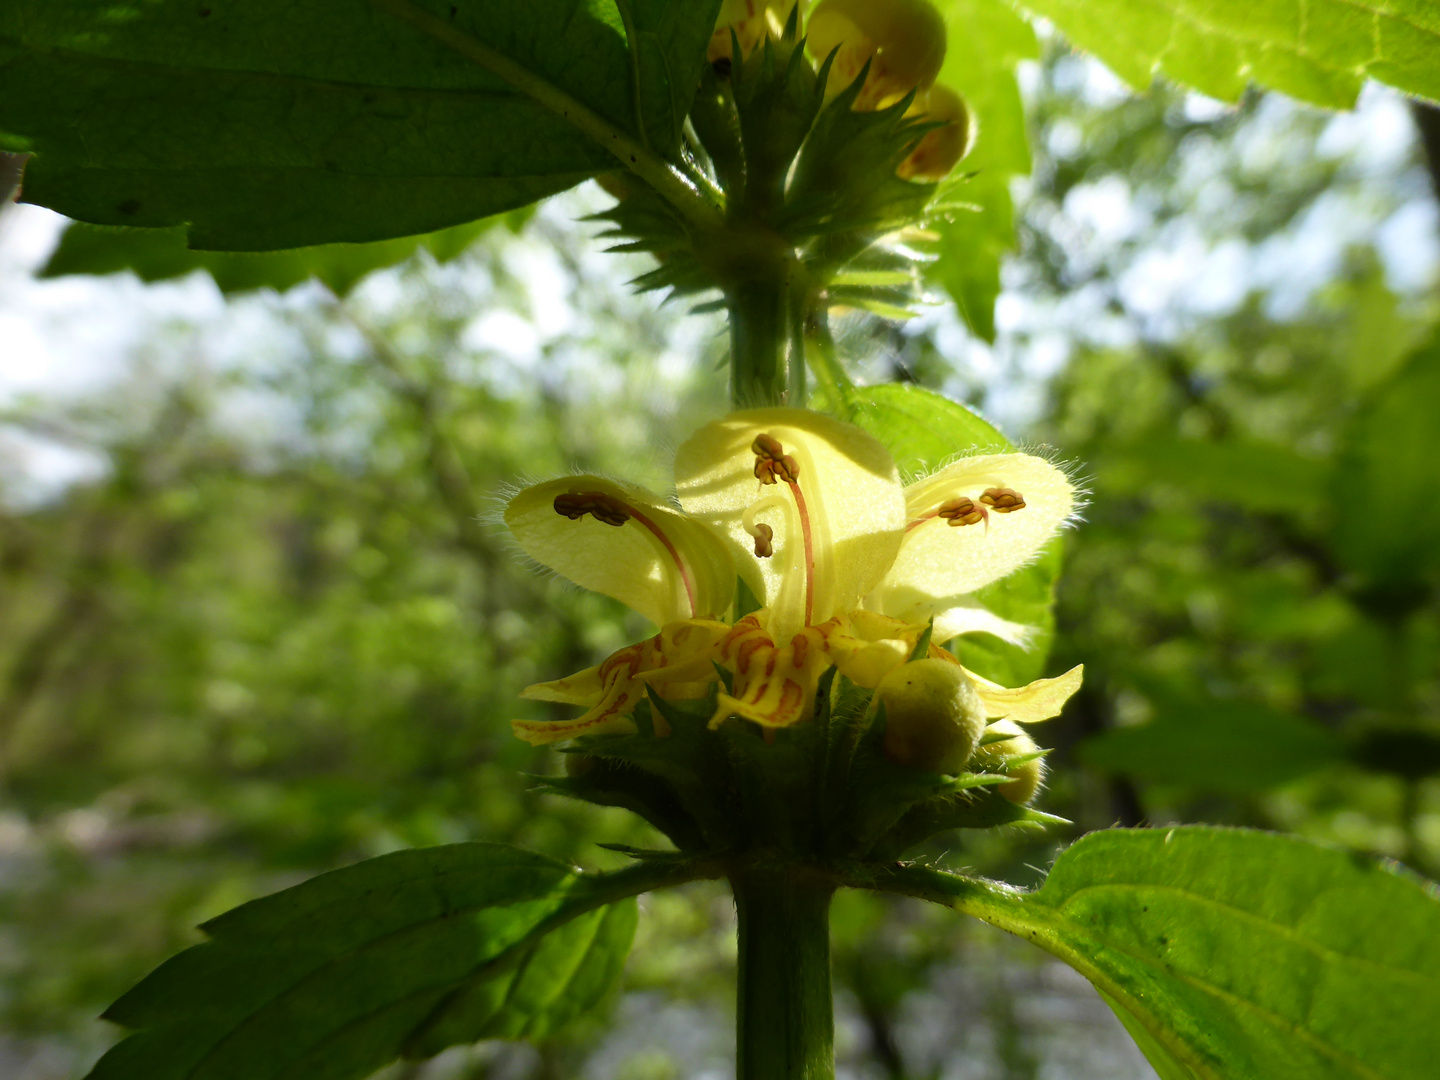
(752, 21)
(933, 716)
(1026, 778)
(941, 149)
(903, 40)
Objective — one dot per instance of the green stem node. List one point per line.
(785, 1015)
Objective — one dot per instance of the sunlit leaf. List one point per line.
(986, 40)
(1237, 953)
(1316, 50)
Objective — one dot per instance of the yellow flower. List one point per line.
(849, 568)
(903, 41)
(941, 149)
(751, 22)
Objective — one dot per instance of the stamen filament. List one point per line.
(659, 534)
(809, 550)
(922, 519)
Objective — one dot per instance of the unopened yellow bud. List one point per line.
(751, 21)
(1026, 778)
(903, 41)
(933, 716)
(939, 150)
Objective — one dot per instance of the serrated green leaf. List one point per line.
(1240, 954)
(1165, 1064)
(406, 953)
(161, 254)
(1316, 50)
(269, 124)
(921, 429)
(1229, 746)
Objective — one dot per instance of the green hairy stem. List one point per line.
(784, 1014)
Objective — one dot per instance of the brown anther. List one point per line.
(772, 464)
(1003, 500)
(764, 535)
(604, 507)
(961, 511)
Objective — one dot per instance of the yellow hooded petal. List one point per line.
(940, 563)
(622, 541)
(848, 494)
(1030, 704)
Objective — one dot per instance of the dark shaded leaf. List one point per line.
(267, 124)
(407, 953)
(161, 254)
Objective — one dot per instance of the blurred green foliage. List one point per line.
(281, 633)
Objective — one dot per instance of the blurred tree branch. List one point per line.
(1427, 121)
(447, 469)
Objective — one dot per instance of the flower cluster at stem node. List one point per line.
(859, 579)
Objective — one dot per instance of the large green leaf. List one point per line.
(1315, 50)
(1236, 955)
(923, 431)
(986, 40)
(272, 124)
(1231, 746)
(160, 254)
(404, 954)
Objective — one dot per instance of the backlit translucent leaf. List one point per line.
(985, 41)
(1315, 50)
